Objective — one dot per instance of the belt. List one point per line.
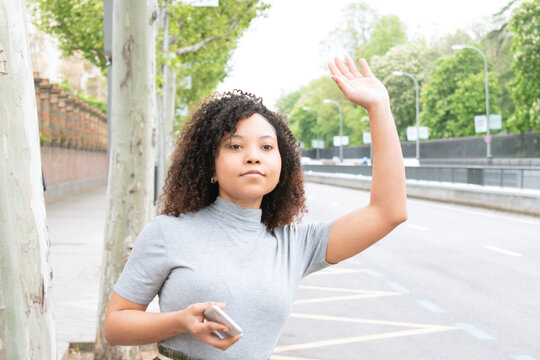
(170, 354)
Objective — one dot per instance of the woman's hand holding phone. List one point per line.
(204, 331)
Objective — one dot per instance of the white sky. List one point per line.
(282, 51)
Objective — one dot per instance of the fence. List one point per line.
(73, 138)
(66, 121)
(502, 146)
(512, 177)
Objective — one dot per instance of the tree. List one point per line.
(469, 99)
(388, 31)
(438, 111)
(525, 88)
(130, 187)
(201, 43)
(78, 25)
(322, 120)
(358, 21)
(26, 322)
(416, 59)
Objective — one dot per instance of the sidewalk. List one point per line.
(76, 227)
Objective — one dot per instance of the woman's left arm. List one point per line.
(359, 229)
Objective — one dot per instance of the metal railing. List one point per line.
(511, 177)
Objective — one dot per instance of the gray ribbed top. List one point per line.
(223, 253)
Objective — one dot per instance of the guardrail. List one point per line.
(502, 176)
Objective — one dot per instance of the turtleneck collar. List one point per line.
(236, 214)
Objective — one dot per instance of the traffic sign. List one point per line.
(487, 139)
(480, 123)
(366, 137)
(343, 140)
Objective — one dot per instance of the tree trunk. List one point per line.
(131, 172)
(26, 321)
(169, 118)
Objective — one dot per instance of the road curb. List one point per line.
(491, 197)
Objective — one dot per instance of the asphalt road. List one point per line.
(453, 282)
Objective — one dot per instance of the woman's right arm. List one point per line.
(128, 323)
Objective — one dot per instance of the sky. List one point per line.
(282, 51)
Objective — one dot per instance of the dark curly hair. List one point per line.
(188, 187)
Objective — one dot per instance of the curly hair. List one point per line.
(188, 187)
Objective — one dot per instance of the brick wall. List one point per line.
(63, 165)
(73, 138)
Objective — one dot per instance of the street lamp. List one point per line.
(461, 47)
(328, 101)
(401, 73)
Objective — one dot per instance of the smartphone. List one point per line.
(215, 314)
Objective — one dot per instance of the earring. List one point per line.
(213, 180)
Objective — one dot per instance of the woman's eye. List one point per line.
(235, 146)
(267, 147)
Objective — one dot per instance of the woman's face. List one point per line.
(248, 164)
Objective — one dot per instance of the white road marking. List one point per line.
(522, 357)
(476, 332)
(372, 272)
(417, 330)
(502, 251)
(397, 287)
(335, 271)
(360, 294)
(417, 227)
(430, 306)
(487, 214)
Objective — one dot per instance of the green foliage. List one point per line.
(414, 58)
(78, 26)
(497, 44)
(439, 112)
(207, 66)
(469, 100)
(321, 121)
(388, 31)
(525, 88)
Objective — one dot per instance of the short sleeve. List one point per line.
(313, 240)
(147, 266)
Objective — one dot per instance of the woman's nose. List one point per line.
(252, 156)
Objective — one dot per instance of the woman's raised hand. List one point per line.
(364, 88)
(204, 330)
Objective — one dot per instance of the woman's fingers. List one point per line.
(222, 344)
(352, 66)
(365, 68)
(344, 70)
(333, 69)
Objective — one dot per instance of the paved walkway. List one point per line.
(76, 227)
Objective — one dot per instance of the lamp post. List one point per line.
(401, 73)
(329, 101)
(461, 47)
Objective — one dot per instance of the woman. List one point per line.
(227, 231)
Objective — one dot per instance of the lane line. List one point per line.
(397, 287)
(502, 251)
(372, 272)
(344, 297)
(355, 339)
(417, 227)
(335, 271)
(326, 288)
(369, 321)
(522, 357)
(430, 306)
(476, 332)
(502, 217)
